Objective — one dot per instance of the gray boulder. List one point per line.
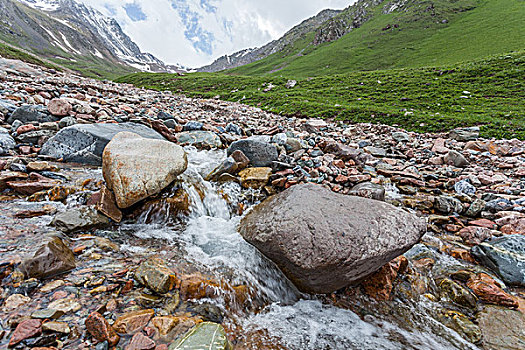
(465, 134)
(84, 143)
(456, 159)
(260, 153)
(79, 219)
(30, 114)
(324, 241)
(199, 139)
(6, 107)
(369, 190)
(448, 205)
(7, 143)
(506, 256)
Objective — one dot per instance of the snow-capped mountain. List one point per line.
(72, 31)
(49, 5)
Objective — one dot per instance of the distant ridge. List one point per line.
(385, 34)
(254, 54)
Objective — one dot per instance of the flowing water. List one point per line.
(284, 317)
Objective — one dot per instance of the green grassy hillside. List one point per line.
(488, 93)
(423, 33)
(12, 53)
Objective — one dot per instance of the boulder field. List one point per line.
(122, 211)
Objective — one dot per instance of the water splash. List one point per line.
(308, 324)
(213, 244)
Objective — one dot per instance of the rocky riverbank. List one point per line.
(120, 209)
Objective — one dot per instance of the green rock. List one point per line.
(155, 275)
(206, 335)
(456, 293)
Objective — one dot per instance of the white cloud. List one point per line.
(195, 32)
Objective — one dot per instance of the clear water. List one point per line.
(295, 321)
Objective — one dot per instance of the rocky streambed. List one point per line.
(123, 213)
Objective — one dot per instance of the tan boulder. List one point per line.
(136, 168)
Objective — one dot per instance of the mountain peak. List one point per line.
(44, 5)
(71, 31)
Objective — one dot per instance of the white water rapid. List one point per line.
(294, 321)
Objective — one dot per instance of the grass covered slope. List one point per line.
(488, 93)
(417, 34)
(7, 51)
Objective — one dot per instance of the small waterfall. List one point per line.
(287, 319)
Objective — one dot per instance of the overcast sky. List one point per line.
(195, 32)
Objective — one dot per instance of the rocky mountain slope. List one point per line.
(74, 35)
(383, 34)
(247, 56)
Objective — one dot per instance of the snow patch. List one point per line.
(98, 54)
(68, 44)
(44, 5)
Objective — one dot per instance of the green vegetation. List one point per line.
(427, 33)
(94, 67)
(12, 53)
(488, 93)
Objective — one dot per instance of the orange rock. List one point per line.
(100, 329)
(196, 287)
(380, 284)
(487, 289)
(132, 322)
(462, 254)
(26, 329)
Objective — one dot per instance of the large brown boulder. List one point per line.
(324, 241)
(51, 258)
(135, 167)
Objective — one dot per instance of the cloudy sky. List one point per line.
(195, 32)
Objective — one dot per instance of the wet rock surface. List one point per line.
(179, 254)
(506, 256)
(51, 259)
(81, 219)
